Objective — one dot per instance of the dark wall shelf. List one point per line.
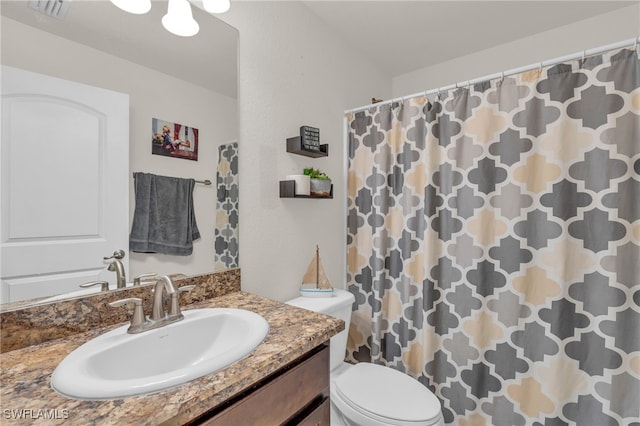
(294, 146)
(288, 190)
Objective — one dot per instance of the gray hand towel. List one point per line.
(164, 220)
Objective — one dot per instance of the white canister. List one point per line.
(303, 184)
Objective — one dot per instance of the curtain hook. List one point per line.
(468, 84)
(540, 68)
(635, 44)
(501, 77)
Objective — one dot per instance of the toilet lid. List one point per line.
(387, 393)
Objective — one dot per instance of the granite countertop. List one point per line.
(26, 373)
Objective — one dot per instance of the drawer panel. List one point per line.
(321, 416)
(282, 397)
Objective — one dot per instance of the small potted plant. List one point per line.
(320, 182)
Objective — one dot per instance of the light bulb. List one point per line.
(216, 6)
(138, 7)
(179, 19)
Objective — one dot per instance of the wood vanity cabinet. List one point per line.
(297, 394)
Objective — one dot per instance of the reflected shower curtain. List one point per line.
(494, 244)
(226, 247)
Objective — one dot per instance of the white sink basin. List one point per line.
(116, 364)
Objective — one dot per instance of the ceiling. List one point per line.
(208, 59)
(415, 34)
(437, 30)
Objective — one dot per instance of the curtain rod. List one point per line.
(590, 52)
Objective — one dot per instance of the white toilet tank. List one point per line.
(339, 306)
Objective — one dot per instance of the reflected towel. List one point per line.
(164, 220)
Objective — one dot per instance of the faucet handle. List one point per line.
(118, 254)
(138, 319)
(137, 280)
(174, 308)
(104, 285)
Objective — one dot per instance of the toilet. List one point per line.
(369, 394)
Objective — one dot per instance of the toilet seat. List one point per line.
(387, 396)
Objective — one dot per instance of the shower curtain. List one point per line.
(494, 244)
(226, 247)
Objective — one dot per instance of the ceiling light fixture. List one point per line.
(216, 6)
(179, 19)
(138, 7)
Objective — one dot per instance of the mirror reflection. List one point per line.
(102, 76)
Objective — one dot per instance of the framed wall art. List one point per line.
(174, 140)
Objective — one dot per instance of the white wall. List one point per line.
(621, 24)
(293, 71)
(152, 95)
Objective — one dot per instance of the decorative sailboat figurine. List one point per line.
(315, 282)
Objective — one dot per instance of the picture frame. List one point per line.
(174, 140)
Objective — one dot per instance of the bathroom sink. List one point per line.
(117, 364)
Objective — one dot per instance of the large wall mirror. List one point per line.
(105, 55)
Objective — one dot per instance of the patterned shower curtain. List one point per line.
(227, 254)
(494, 244)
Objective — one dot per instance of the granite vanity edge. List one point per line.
(293, 332)
(39, 323)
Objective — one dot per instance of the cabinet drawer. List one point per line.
(281, 398)
(321, 416)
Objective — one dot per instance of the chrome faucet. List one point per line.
(117, 267)
(159, 317)
(157, 310)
